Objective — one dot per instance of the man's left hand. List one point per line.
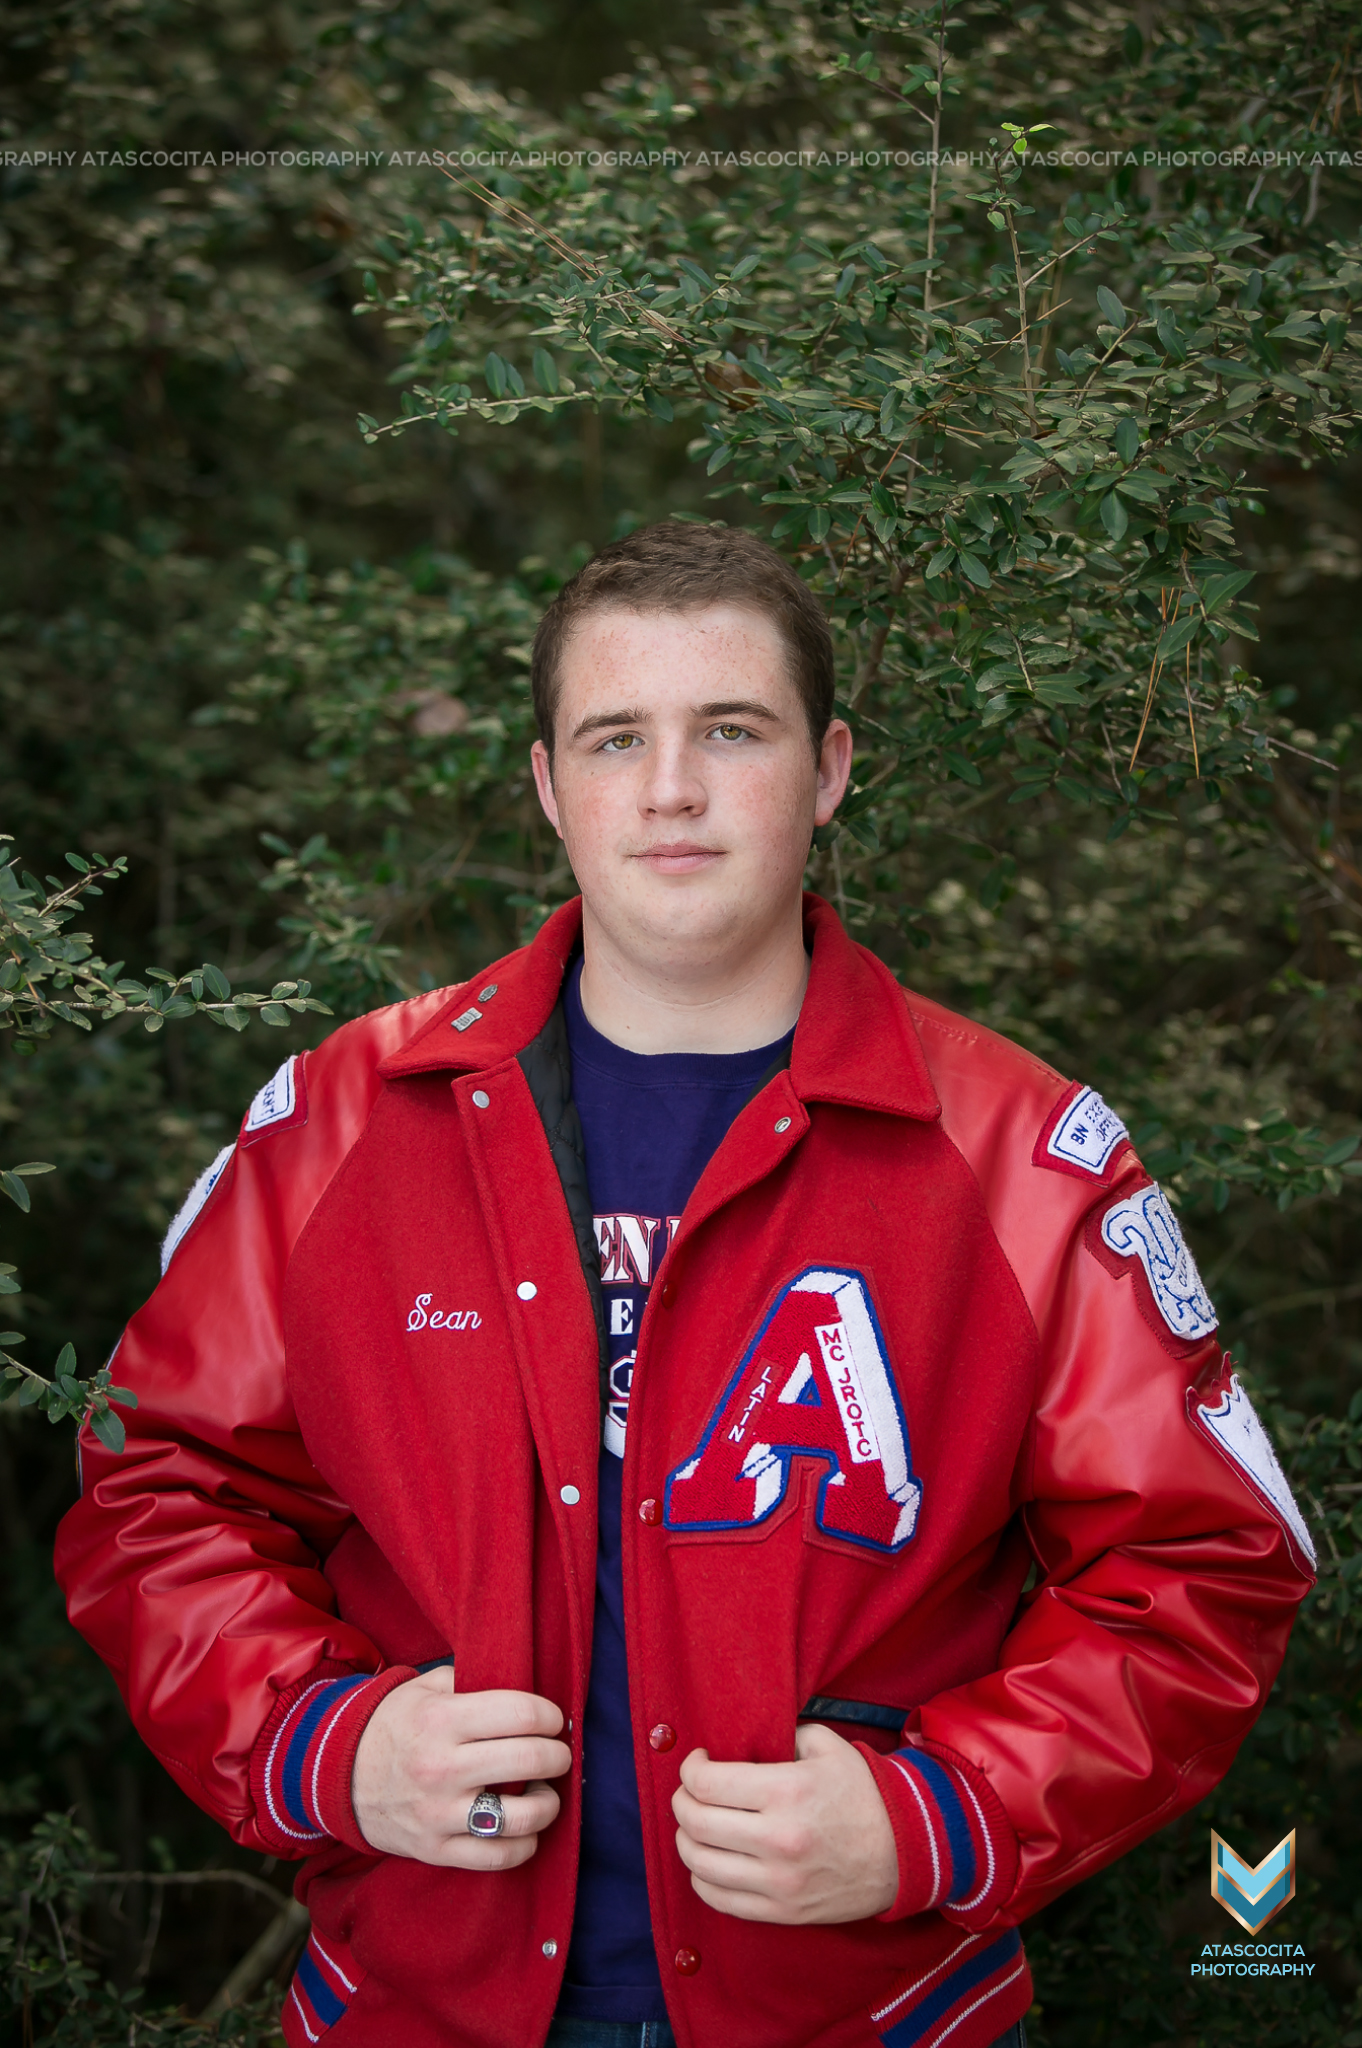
(798, 1844)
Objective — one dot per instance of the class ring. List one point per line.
(487, 1815)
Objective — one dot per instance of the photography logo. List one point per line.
(1253, 1895)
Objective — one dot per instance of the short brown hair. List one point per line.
(676, 567)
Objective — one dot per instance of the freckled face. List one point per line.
(684, 782)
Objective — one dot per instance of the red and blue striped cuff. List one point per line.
(303, 1763)
(957, 1849)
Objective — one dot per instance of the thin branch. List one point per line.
(936, 163)
(1155, 669)
(164, 1877)
(1191, 721)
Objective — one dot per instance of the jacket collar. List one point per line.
(855, 1041)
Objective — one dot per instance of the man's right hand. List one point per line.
(428, 1751)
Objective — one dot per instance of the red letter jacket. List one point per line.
(927, 1331)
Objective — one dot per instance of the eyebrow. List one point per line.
(599, 719)
(728, 707)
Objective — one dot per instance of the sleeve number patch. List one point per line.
(1144, 1227)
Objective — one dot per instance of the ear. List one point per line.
(834, 770)
(543, 782)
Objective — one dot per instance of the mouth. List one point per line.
(680, 857)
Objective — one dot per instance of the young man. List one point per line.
(696, 1488)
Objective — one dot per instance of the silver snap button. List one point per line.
(782, 1124)
(569, 1495)
(481, 1099)
(527, 1289)
(550, 1949)
(485, 995)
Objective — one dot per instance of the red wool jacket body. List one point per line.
(926, 1323)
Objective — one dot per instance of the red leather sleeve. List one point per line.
(193, 1561)
(1169, 1582)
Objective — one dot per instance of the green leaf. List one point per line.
(962, 767)
(274, 1013)
(495, 372)
(819, 522)
(1113, 312)
(545, 371)
(940, 562)
(996, 219)
(1128, 439)
(659, 406)
(1114, 516)
(216, 982)
(17, 1192)
(32, 1166)
(82, 867)
(1175, 637)
(66, 1360)
(108, 1427)
(1218, 590)
(976, 570)
(1344, 1149)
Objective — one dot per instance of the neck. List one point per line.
(680, 999)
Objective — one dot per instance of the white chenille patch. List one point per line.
(192, 1203)
(1144, 1227)
(1087, 1134)
(275, 1100)
(1239, 1433)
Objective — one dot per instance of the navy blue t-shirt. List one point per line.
(651, 1123)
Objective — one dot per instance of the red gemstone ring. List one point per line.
(487, 1815)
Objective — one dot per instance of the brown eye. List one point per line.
(731, 732)
(622, 742)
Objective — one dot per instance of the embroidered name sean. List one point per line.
(423, 1316)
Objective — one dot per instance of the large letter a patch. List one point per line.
(815, 1383)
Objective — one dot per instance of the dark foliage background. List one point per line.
(282, 668)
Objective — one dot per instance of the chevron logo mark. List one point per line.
(1251, 1894)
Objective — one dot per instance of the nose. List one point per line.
(673, 786)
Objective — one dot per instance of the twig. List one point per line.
(164, 1877)
(1155, 668)
(936, 164)
(1317, 1297)
(1187, 692)
(260, 1959)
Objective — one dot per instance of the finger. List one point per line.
(719, 1827)
(484, 1716)
(751, 1787)
(741, 1905)
(523, 1813)
(508, 1761)
(813, 1740)
(722, 1868)
(468, 1852)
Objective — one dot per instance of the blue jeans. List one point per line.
(657, 2034)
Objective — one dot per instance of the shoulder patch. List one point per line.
(193, 1202)
(1144, 1227)
(282, 1101)
(1233, 1427)
(1080, 1134)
